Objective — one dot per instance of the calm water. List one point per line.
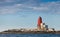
(29, 35)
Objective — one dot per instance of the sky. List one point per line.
(16, 14)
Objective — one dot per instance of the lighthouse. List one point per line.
(40, 25)
(39, 21)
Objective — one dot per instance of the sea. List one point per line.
(29, 35)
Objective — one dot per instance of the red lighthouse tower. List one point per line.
(39, 23)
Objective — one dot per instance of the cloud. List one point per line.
(10, 9)
(54, 7)
(50, 7)
(13, 7)
(40, 8)
(6, 0)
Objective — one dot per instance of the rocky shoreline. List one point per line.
(30, 32)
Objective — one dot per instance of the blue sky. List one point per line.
(15, 14)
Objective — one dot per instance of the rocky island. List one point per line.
(29, 32)
(41, 29)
